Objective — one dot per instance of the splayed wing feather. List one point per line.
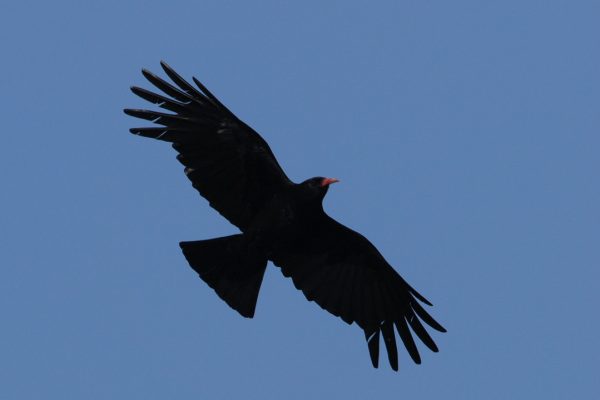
(420, 331)
(159, 100)
(372, 338)
(387, 329)
(179, 81)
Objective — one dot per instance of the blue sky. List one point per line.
(466, 135)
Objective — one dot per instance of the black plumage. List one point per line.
(235, 170)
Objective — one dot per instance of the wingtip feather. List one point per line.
(373, 345)
(387, 330)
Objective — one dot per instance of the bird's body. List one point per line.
(280, 221)
(289, 216)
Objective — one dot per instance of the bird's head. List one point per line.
(317, 187)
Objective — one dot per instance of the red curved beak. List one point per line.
(329, 181)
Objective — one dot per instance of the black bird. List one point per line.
(235, 170)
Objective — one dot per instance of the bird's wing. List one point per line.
(346, 275)
(227, 161)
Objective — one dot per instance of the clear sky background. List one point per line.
(466, 135)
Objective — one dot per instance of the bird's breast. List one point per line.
(281, 222)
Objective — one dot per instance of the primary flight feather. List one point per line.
(235, 170)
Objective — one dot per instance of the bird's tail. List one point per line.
(231, 266)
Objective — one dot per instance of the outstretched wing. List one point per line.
(227, 161)
(346, 275)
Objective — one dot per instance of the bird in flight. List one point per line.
(280, 221)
